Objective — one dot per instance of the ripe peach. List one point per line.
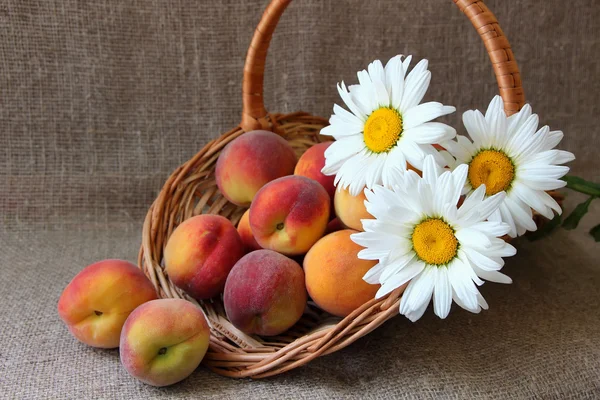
(312, 162)
(290, 214)
(200, 253)
(334, 274)
(249, 162)
(246, 233)
(96, 303)
(350, 209)
(164, 341)
(265, 293)
(334, 225)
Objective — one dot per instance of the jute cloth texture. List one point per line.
(101, 100)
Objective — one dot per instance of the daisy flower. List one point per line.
(420, 235)
(510, 154)
(386, 126)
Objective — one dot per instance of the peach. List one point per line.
(246, 233)
(96, 303)
(290, 214)
(312, 162)
(265, 293)
(334, 274)
(164, 341)
(249, 162)
(334, 225)
(350, 209)
(200, 253)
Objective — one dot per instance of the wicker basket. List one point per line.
(192, 190)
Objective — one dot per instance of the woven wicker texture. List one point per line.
(191, 190)
(100, 101)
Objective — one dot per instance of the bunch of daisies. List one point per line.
(438, 232)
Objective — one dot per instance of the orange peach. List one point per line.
(246, 233)
(164, 341)
(312, 162)
(290, 214)
(200, 253)
(265, 293)
(96, 303)
(334, 274)
(350, 209)
(249, 162)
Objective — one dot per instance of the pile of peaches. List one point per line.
(293, 242)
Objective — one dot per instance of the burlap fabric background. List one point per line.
(101, 100)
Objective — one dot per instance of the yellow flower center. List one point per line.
(382, 130)
(434, 241)
(493, 168)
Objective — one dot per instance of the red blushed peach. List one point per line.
(96, 303)
(265, 293)
(334, 225)
(249, 162)
(312, 162)
(351, 209)
(200, 253)
(164, 341)
(290, 214)
(334, 274)
(246, 233)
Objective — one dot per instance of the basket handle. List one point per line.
(254, 114)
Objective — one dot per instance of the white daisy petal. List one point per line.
(476, 126)
(339, 152)
(345, 95)
(462, 304)
(394, 167)
(482, 303)
(492, 276)
(545, 183)
(563, 157)
(521, 216)
(473, 237)
(459, 176)
(506, 216)
(347, 117)
(522, 133)
(406, 64)
(393, 281)
(394, 79)
(376, 71)
(375, 171)
(495, 108)
(429, 132)
(497, 123)
(431, 171)
(516, 120)
(532, 199)
(425, 112)
(414, 89)
(442, 294)
(493, 228)
(482, 261)
(418, 291)
(372, 276)
(464, 288)
(553, 139)
(549, 201)
(339, 129)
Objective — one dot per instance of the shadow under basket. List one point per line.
(192, 190)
